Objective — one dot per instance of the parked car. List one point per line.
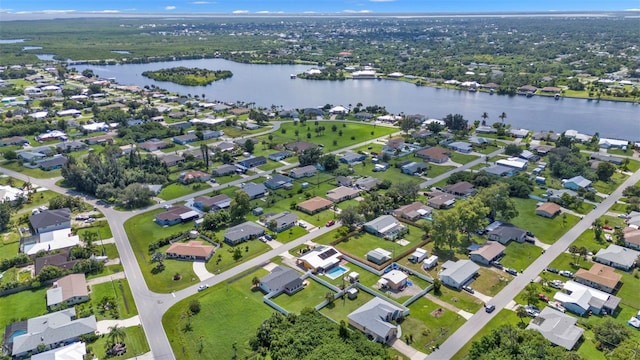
(532, 310)
(566, 273)
(556, 284)
(529, 239)
(543, 297)
(497, 264)
(552, 270)
(511, 271)
(607, 227)
(489, 308)
(302, 225)
(529, 233)
(331, 223)
(268, 237)
(468, 289)
(203, 287)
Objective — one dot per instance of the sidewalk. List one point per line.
(201, 271)
(103, 325)
(106, 278)
(105, 241)
(407, 350)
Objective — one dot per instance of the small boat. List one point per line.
(557, 97)
(293, 76)
(529, 95)
(491, 92)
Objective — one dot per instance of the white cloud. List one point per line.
(263, 12)
(240, 12)
(631, 9)
(56, 11)
(356, 12)
(105, 12)
(202, 2)
(170, 7)
(378, 1)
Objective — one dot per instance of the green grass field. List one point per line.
(520, 256)
(230, 314)
(490, 282)
(437, 170)
(112, 289)
(134, 339)
(225, 254)
(609, 186)
(101, 227)
(36, 173)
(428, 326)
(459, 299)
(177, 190)
(312, 295)
(339, 309)
(462, 158)
(21, 306)
(546, 230)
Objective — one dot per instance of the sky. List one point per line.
(310, 6)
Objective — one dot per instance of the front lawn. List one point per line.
(119, 291)
(546, 230)
(437, 170)
(312, 295)
(21, 306)
(459, 299)
(177, 190)
(101, 227)
(462, 158)
(429, 324)
(230, 314)
(36, 173)
(608, 187)
(587, 239)
(520, 256)
(490, 282)
(223, 260)
(134, 339)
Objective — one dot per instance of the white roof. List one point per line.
(95, 126)
(9, 193)
(53, 240)
(315, 261)
(207, 121)
(75, 351)
(431, 260)
(512, 163)
(68, 112)
(419, 252)
(613, 142)
(39, 114)
(395, 276)
(581, 295)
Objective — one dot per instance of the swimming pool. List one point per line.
(336, 272)
(17, 333)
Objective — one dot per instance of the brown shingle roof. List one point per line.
(315, 204)
(489, 250)
(191, 248)
(600, 274)
(550, 208)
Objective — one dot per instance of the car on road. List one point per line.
(565, 273)
(203, 287)
(489, 308)
(552, 270)
(511, 271)
(543, 297)
(468, 289)
(331, 223)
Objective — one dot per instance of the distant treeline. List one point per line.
(188, 76)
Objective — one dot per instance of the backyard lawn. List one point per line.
(36, 173)
(429, 324)
(546, 230)
(21, 306)
(101, 227)
(134, 339)
(312, 295)
(339, 309)
(177, 190)
(361, 244)
(236, 306)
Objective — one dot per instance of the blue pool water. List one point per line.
(336, 272)
(17, 333)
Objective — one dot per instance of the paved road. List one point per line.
(458, 339)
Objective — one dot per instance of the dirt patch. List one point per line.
(437, 312)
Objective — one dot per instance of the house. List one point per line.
(487, 253)
(52, 163)
(225, 146)
(615, 160)
(542, 150)
(343, 181)
(413, 211)
(440, 200)
(418, 255)
(378, 256)
(456, 274)
(385, 226)
(435, 154)
(375, 319)
(580, 299)
(576, 183)
(461, 146)
(243, 232)
(10, 194)
(60, 260)
(605, 143)
(50, 220)
(556, 195)
(74, 351)
(499, 170)
(395, 280)
(304, 171)
(68, 290)
(224, 170)
(281, 279)
(14, 140)
(191, 250)
(599, 277)
(618, 257)
(548, 210)
(153, 145)
(49, 241)
(277, 181)
(99, 126)
(460, 189)
(212, 134)
(476, 140)
(172, 159)
(527, 89)
(279, 156)
(212, 203)
(299, 146)
(252, 162)
(281, 222)
(351, 157)
(175, 215)
(529, 156)
(414, 168)
(185, 139)
(192, 176)
(519, 133)
(368, 183)
(50, 330)
(514, 163)
(320, 259)
(483, 129)
(101, 139)
(314, 205)
(254, 190)
(559, 328)
(631, 238)
(503, 233)
(397, 147)
(342, 193)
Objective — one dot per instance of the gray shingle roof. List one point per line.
(50, 217)
(375, 316)
(281, 277)
(557, 327)
(242, 230)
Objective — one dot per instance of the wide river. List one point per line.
(267, 85)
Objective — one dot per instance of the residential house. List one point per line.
(499, 170)
(483, 129)
(243, 232)
(529, 156)
(351, 158)
(281, 279)
(254, 190)
(101, 139)
(618, 257)
(480, 141)
(440, 200)
(487, 253)
(281, 222)
(456, 274)
(519, 133)
(395, 280)
(435, 154)
(514, 163)
(127, 149)
(172, 159)
(461, 146)
(342, 193)
(414, 168)
(175, 215)
(413, 211)
(386, 226)
(304, 171)
(560, 329)
(192, 176)
(320, 259)
(185, 139)
(397, 147)
(14, 140)
(580, 299)
(68, 290)
(615, 160)
(192, 250)
(605, 143)
(153, 145)
(556, 195)
(378, 256)
(52, 163)
(74, 351)
(631, 238)
(367, 183)
(224, 170)
(375, 319)
(599, 277)
(60, 260)
(50, 220)
(212, 203)
(225, 146)
(527, 89)
(280, 155)
(50, 330)
(49, 241)
(299, 146)
(542, 150)
(277, 181)
(314, 205)
(460, 189)
(503, 233)
(576, 183)
(212, 134)
(182, 125)
(11, 194)
(421, 134)
(548, 210)
(252, 162)
(344, 181)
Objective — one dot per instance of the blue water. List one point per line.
(336, 272)
(17, 333)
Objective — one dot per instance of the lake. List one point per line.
(267, 85)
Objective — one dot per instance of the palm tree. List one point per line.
(503, 116)
(255, 281)
(484, 116)
(522, 313)
(329, 297)
(116, 334)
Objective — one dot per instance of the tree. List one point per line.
(502, 117)
(597, 230)
(456, 122)
(249, 146)
(10, 155)
(445, 229)
(255, 281)
(610, 333)
(618, 236)
(522, 313)
(310, 156)
(237, 254)
(605, 170)
(484, 117)
(135, 195)
(158, 257)
(194, 306)
(116, 334)
(329, 162)
(328, 296)
(531, 294)
(626, 350)
(472, 214)
(496, 198)
(240, 207)
(350, 217)
(512, 150)
(437, 284)
(5, 214)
